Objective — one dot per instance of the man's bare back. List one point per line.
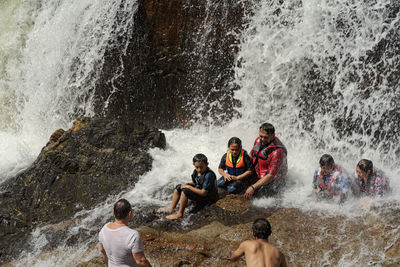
(260, 253)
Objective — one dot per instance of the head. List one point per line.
(200, 163)
(364, 168)
(122, 209)
(235, 146)
(266, 133)
(261, 228)
(327, 163)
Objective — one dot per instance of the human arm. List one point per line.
(239, 252)
(242, 176)
(227, 176)
(266, 179)
(103, 251)
(141, 259)
(314, 183)
(283, 260)
(198, 191)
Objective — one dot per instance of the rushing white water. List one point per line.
(290, 51)
(51, 54)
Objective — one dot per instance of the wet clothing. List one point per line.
(331, 184)
(234, 166)
(119, 245)
(376, 185)
(206, 181)
(270, 159)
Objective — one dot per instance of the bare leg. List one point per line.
(175, 200)
(182, 206)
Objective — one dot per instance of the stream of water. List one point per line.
(304, 66)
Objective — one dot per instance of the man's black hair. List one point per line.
(200, 158)
(365, 165)
(268, 127)
(326, 161)
(234, 140)
(121, 209)
(261, 228)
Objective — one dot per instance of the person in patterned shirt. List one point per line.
(330, 179)
(371, 181)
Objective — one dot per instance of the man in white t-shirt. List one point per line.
(120, 245)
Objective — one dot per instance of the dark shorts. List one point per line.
(199, 200)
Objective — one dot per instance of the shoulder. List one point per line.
(247, 244)
(245, 154)
(104, 228)
(209, 174)
(132, 235)
(278, 152)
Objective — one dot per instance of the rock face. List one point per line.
(178, 61)
(78, 169)
(306, 238)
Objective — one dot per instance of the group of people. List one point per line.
(262, 172)
(122, 246)
(331, 179)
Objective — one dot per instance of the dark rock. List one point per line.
(99, 157)
(180, 53)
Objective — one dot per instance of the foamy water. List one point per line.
(51, 56)
(47, 78)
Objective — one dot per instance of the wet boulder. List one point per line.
(77, 169)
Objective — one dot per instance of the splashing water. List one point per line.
(53, 51)
(308, 67)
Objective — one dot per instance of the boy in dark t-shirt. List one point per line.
(235, 167)
(202, 190)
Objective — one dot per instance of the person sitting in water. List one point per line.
(119, 244)
(330, 179)
(370, 181)
(202, 190)
(269, 158)
(237, 164)
(260, 252)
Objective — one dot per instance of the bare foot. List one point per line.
(164, 210)
(174, 216)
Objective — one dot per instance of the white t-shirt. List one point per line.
(119, 245)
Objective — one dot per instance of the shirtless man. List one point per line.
(260, 253)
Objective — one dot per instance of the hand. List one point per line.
(185, 186)
(227, 177)
(234, 178)
(249, 192)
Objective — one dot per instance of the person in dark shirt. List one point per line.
(235, 167)
(202, 190)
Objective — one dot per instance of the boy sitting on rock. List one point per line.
(202, 190)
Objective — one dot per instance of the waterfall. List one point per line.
(323, 72)
(53, 53)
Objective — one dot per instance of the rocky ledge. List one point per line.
(76, 170)
(306, 238)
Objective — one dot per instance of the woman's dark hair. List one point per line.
(261, 228)
(122, 208)
(365, 165)
(234, 140)
(268, 127)
(326, 160)
(200, 158)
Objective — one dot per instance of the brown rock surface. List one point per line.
(179, 53)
